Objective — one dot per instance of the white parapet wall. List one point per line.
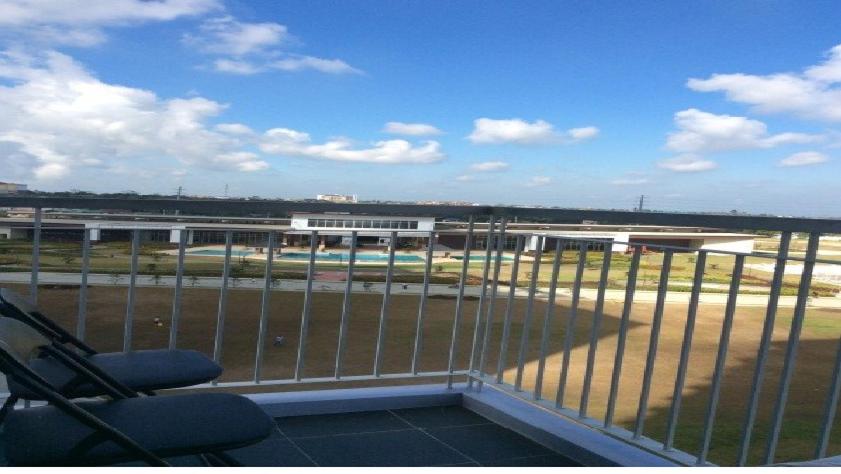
(741, 244)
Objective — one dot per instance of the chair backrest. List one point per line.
(14, 305)
(18, 344)
(17, 300)
(20, 341)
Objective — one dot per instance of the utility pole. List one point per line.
(178, 198)
(226, 190)
(642, 203)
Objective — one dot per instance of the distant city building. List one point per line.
(11, 188)
(351, 198)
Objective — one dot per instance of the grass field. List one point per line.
(114, 258)
(820, 337)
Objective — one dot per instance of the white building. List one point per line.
(371, 230)
(11, 188)
(343, 198)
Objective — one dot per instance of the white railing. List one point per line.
(495, 222)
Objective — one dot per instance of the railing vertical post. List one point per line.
(623, 334)
(129, 322)
(81, 321)
(793, 342)
(831, 406)
(179, 280)
(346, 307)
(686, 347)
(264, 309)
(720, 360)
(547, 318)
(427, 270)
(569, 334)
(468, 241)
(506, 322)
(486, 268)
(648, 373)
(486, 338)
(598, 313)
(524, 335)
(223, 299)
(381, 333)
(36, 255)
(305, 314)
(764, 347)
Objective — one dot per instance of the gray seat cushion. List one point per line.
(139, 370)
(175, 425)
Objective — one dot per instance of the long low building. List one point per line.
(334, 230)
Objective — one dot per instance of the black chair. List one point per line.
(127, 428)
(140, 371)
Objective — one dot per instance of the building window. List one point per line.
(413, 224)
(311, 223)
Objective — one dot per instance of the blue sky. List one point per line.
(707, 105)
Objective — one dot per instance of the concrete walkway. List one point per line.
(100, 279)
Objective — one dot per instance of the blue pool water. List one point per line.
(343, 257)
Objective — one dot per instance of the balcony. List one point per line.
(524, 347)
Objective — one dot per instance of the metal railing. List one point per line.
(490, 297)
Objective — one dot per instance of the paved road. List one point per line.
(100, 279)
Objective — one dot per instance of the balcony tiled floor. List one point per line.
(434, 436)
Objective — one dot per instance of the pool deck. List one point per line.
(420, 254)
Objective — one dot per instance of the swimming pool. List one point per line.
(343, 257)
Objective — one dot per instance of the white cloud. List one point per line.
(466, 178)
(583, 133)
(250, 48)
(98, 12)
(227, 36)
(234, 66)
(703, 132)
(489, 131)
(80, 22)
(234, 129)
(537, 181)
(411, 129)
(242, 161)
(286, 142)
(804, 158)
(303, 63)
(813, 94)
(54, 35)
(61, 118)
(489, 166)
(687, 164)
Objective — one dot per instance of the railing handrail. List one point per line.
(278, 207)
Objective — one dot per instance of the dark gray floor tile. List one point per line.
(340, 423)
(179, 461)
(488, 443)
(440, 417)
(552, 460)
(274, 451)
(396, 448)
